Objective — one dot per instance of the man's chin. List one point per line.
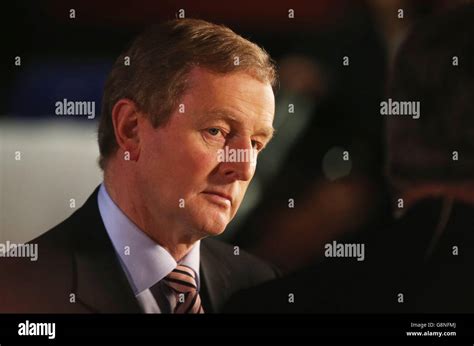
(212, 230)
(210, 222)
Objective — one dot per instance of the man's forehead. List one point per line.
(244, 81)
(225, 102)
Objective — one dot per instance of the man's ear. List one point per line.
(125, 120)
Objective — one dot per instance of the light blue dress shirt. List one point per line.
(144, 261)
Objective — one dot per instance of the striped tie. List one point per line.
(182, 282)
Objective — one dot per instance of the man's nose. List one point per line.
(239, 160)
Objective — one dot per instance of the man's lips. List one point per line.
(220, 195)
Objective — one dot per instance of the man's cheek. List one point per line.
(204, 160)
(253, 173)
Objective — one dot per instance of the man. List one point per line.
(423, 261)
(180, 95)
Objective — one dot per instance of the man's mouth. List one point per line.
(219, 197)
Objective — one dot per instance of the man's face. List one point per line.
(184, 174)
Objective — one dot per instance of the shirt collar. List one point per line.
(143, 260)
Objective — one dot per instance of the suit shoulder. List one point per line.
(240, 261)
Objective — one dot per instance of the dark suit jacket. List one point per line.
(77, 261)
(395, 262)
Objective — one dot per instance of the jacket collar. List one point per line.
(99, 281)
(215, 279)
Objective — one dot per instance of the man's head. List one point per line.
(191, 89)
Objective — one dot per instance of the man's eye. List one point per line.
(257, 145)
(214, 131)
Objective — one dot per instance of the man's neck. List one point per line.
(175, 240)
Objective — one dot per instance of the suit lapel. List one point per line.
(100, 283)
(215, 280)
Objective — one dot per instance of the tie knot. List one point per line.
(182, 279)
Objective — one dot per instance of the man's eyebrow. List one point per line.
(267, 132)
